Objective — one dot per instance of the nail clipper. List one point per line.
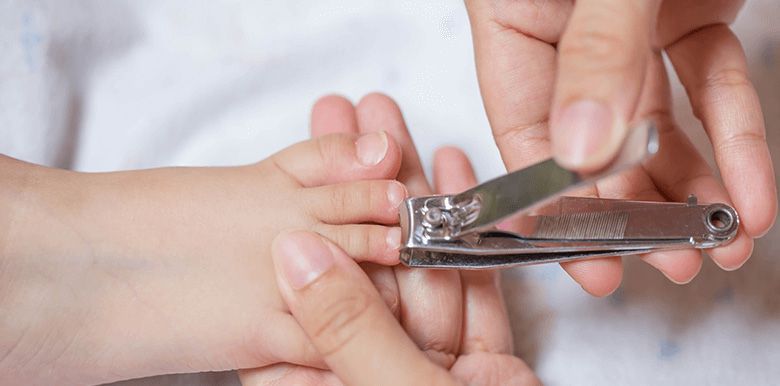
(459, 231)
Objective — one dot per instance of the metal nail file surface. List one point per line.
(459, 231)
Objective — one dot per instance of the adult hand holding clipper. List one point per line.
(564, 78)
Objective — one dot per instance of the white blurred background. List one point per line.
(106, 85)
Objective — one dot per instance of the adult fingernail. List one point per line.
(371, 148)
(582, 135)
(393, 238)
(395, 195)
(303, 257)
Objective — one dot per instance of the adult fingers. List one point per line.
(486, 322)
(713, 69)
(452, 171)
(344, 316)
(601, 69)
(377, 112)
(431, 306)
(516, 70)
(679, 266)
(598, 277)
(340, 157)
(695, 177)
(332, 114)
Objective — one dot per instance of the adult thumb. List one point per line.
(344, 315)
(603, 55)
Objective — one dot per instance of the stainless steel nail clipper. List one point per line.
(459, 231)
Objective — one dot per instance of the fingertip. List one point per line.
(332, 101)
(377, 111)
(378, 149)
(377, 101)
(760, 215)
(396, 194)
(749, 178)
(452, 170)
(734, 255)
(332, 114)
(393, 241)
(679, 266)
(586, 135)
(598, 277)
(392, 162)
(450, 154)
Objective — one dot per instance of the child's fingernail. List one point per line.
(395, 194)
(303, 258)
(393, 238)
(371, 148)
(582, 134)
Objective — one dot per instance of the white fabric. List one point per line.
(108, 85)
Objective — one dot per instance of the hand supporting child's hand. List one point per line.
(120, 275)
(457, 318)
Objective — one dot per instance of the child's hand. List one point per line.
(120, 275)
(457, 319)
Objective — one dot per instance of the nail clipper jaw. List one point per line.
(414, 233)
(426, 221)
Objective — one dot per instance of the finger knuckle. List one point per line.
(350, 240)
(331, 149)
(727, 78)
(368, 240)
(746, 142)
(374, 193)
(342, 319)
(340, 199)
(600, 48)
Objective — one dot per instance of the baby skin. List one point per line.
(108, 276)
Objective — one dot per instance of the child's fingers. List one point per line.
(333, 114)
(452, 171)
(378, 112)
(365, 242)
(355, 202)
(485, 323)
(340, 157)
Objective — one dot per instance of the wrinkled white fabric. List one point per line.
(109, 85)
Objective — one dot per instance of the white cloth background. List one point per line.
(107, 85)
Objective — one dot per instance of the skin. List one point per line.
(122, 275)
(535, 60)
(464, 336)
(528, 53)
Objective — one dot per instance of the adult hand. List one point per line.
(600, 63)
(362, 342)
(457, 319)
